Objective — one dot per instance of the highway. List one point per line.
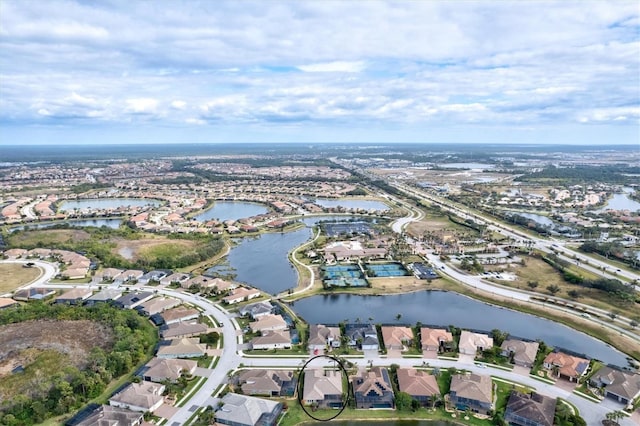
(478, 283)
(601, 268)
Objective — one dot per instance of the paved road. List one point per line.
(591, 412)
(27, 210)
(229, 360)
(312, 274)
(479, 283)
(517, 235)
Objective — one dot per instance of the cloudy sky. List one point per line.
(287, 71)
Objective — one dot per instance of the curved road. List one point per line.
(48, 270)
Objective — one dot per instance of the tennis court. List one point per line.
(386, 270)
(343, 276)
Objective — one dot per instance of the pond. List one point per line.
(106, 203)
(231, 210)
(621, 202)
(262, 261)
(109, 223)
(441, 308)
(351, 203)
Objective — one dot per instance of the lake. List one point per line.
(262, 261)
(441, 308)
(351, 203)
(231, 210)
(621, 202)
(109, 223)
(106, 203)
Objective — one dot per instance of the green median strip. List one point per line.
(542, 379)
(585, 396)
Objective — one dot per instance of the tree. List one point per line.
(532, 284)
(553, 289)
(498, 336)
(403, 401)
(574, 294)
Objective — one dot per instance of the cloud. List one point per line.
(336, 66)
(178, 105)
(396, 65)
(141, 105)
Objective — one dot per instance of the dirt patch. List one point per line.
(15, 275)
(20, 343)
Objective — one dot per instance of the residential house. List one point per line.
(74, 273)
(471, 343)
(320, 336)
(5, 302)
(160, 369)
(522, 353)
(175, 278)
(33, 293)
(107, 415)
(362, 336)
(186, 347)
(144, 396)
(566, 366)
(422, 386)
(436, 339)
(323, 388)
(75, 296)
(241, 294)
(130, 275)
(268, 323)
(272, 340)
(205, 283)
(257, 310)
(472, 391)
(619, 385)
(397, 338)
(372, 389)
(152, 276)
(179, 314)
(267, 382)
(244, 410)
(14, 253)
(107, 275)
(157, 305)
(104, 296)
(131, 300)
(182, 329)
(530, 409)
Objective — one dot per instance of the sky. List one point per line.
(319, 71)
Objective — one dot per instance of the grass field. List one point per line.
(153, 247)
(544, 274)
(47, 237)
(14, 275)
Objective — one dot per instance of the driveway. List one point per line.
(394, 353)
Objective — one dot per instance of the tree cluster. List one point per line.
(66, 390)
